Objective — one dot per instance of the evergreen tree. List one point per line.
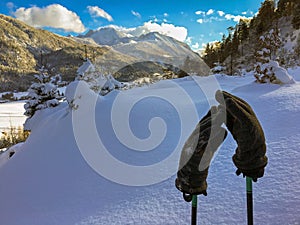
(268, 43)
(243, 33)
(265, 17)
(296, 16)
(209, 56)
(43, 93)
(235, 42)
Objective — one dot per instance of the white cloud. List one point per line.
(221, 13)
(220, 16)
(200, 13)
(179, 33)
(188, 40)
(138, 15)
(200, 20)
(166, 14)
(235, 18)
(95, 11)
(55, 16)
(209, 12)
(196, 46)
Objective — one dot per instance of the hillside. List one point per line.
(238, 50)
(24, 49)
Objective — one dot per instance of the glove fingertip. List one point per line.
(219, 96)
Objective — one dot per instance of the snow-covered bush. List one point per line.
(271, 72)
(95, 78)
(8, 96)
(43, 93)
(267, 69)
(218, 68)
(99, 80)
(110, 85)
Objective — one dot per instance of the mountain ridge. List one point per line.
(25, 49)
(151, 46)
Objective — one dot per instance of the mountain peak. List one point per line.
(109, 35)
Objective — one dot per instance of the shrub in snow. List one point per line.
(43, 93)
(218, 68)
(71, 94)
(110, 85)
(94, 78)
(12, 136)
(271, 72)
(267, 70)
(85, 68)
(8, 96)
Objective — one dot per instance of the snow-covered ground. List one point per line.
(11, 114)
(48, 181)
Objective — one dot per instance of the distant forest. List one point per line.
(241, 43)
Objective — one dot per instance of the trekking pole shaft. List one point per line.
(194, 210)
(249, 200)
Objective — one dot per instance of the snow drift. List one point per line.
(48, 181)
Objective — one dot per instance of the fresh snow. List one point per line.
(5, 156)
(48, 181)
(295, 73)
(281, 73)
(86, 67)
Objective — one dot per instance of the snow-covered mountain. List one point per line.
(109, 47)
(107, 36)
(149, 46)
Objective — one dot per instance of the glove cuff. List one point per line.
(191, 183)
(253, 168)
(197, 190)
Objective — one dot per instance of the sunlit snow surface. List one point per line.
(49, 182)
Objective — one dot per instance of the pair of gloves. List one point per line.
(241, 121)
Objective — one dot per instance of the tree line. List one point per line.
(244, 36)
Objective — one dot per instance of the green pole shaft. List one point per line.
(194, 210)
(249, 200)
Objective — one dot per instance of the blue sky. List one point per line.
(196, 22)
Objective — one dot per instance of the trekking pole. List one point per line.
(249, 200)
(194, 210)
(193, 199)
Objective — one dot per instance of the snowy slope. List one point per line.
(49, 182)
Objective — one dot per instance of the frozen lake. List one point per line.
(11, 114)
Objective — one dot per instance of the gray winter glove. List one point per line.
(198, 152)
(249, 157)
